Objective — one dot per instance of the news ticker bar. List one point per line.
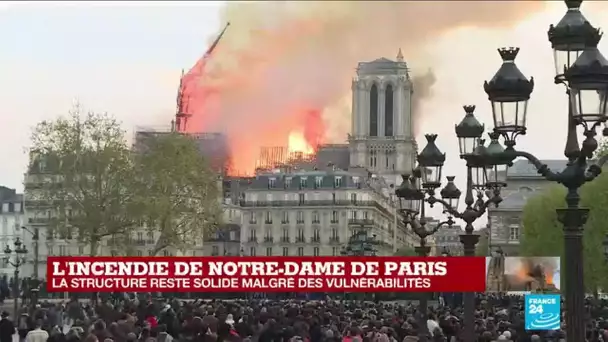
(266, 274)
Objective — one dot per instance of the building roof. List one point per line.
(515, 200)
(382, 66)
(522, 168)
(10, 196)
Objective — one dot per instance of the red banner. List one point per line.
(266, 274)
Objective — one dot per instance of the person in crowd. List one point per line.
(141, 318)
(7, 328)
(37, 334)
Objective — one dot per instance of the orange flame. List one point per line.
(297, 143)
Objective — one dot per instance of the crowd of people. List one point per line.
(148, 319)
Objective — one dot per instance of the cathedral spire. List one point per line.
(181, 115)
(400, 56)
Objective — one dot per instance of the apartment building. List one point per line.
(298, 212)
(12, 219)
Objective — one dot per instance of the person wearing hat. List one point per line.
(7, 328)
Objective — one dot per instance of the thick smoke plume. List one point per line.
(287, 66)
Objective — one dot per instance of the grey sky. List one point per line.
(125, 58)
(122, 58)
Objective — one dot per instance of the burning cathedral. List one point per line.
(381, 138)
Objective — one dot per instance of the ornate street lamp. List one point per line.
(509, 91)
(486, 168)
(588, 82)
(19, 259)
(360, 244)
(584, 71)
(569, 38)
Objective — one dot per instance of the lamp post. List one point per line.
(360, 244)
(35, 282)
(584, 71)
(484, 177)
(412, 208)
(19, 259)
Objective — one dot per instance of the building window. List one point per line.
(287, 182)
(337, 182)
(272, 183)
(334, 251)
(252, 218)
(80, 250)
(303, 182)
(268, 217)
(357, 182)
(316, 235)
(318, 182)
(138, 253)
(268, 251)
(285, 251)
(301, 198)
(252, 237)
(353, 214)
(353, 198)
(388, 111)
(373, 111)
(300, 236)
(514, 233)
(285, 217)
(252, 251)
(315, 217)
(62, 251)
(300, 251)
(333, 198)
(316, 251)
(372, 159)
(334, 216)
(300, 218)
(150, 252)
(285, 237)
(334, 235)
(365, 215)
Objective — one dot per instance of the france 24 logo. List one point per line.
(543, 311)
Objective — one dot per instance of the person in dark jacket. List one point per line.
(7, 328)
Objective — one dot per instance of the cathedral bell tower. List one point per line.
(382, 137)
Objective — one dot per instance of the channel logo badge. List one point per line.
(543, 311)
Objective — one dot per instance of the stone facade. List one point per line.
(382, 137)
(504, 222)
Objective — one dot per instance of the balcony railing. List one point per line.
(300, 239)
(268, 239)
(315, 239)
(334, 239)
(364, 222)
(253, 239)
(285, 239)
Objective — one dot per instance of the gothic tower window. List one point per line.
(388, 111)
(373, 111)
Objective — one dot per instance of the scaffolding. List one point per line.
(278, 156)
